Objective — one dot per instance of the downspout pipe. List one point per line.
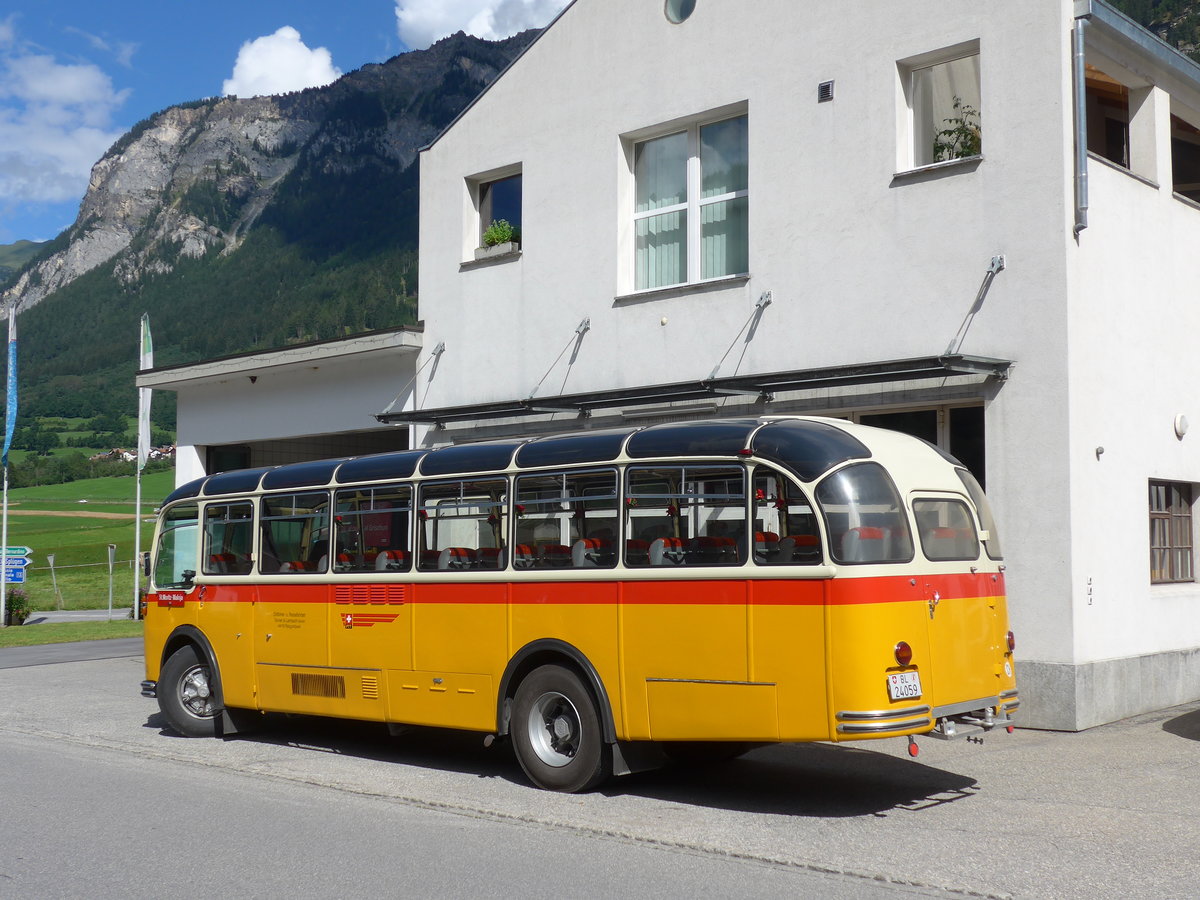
(1083, 12)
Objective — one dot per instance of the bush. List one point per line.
(16, 607)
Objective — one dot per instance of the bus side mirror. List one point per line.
(146, 563)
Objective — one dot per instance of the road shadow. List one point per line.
(810, 780)
(1184, 726)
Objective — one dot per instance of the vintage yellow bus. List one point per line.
(601, 598)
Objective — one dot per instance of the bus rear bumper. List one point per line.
(959, 720)
(150, 689)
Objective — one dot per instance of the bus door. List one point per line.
(225, 604)
(963, 599)
(684, 617)
(370, 618)
(291, 635)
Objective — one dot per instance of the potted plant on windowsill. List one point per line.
(16, 607)
(499, 239)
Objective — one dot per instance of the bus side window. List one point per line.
(565, 520)
(295, 533)
(785, 524)
(864, 517)
(685, 516)
(228, 538)
(462, 525)
(371, 529)
(946, 530)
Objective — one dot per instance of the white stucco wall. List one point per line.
(862, 266)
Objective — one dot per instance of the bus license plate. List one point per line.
(904, 685)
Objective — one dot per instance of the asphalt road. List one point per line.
(1107, 813)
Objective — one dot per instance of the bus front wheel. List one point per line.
(185, 694)
(556, 731)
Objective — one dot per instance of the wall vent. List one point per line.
(824, 91)
(318, 685)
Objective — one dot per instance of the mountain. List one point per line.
(1175, 21)
(240, 224)
(14, 256)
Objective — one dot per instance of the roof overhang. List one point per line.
(386, 343)
(759, 386)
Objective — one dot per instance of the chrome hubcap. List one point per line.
(553, 729)
(195, 694)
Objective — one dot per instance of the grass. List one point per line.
(62, 632)
(80, 543)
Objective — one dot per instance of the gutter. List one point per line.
(1083, 13)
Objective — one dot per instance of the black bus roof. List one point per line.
(808, 447)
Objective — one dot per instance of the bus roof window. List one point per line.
(594, 446)
(720, 438)
(239, 481)
(306, 474)
(807, 448)
(379, 466)
(465, 458)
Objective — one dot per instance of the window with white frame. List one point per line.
(1171, 532)
(691, 204)
(943, 98)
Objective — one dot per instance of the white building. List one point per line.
(308, 401)
(672, 169)
(957, 271)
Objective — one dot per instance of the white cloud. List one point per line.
(278, 63)
(122, 51)
(56, 120)
(421, 22)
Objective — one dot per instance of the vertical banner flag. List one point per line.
(10, 406)
(146, 362)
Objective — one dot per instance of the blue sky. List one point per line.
(76, 75)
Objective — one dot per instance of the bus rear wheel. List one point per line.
(185, 694)
(556, 732)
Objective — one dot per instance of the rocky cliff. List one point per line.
(193, 180)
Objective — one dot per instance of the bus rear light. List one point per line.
(1012, 642)
(903, 653)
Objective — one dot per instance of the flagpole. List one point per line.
(10, 422)
(145, 361)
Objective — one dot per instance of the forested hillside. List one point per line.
(1175, 21)
(239, 225)
(14, 256)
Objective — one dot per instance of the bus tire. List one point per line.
(556, 731)
(185, 694)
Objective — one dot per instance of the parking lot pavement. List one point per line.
(72, 651)
(1110, 812)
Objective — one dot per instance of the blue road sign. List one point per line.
(16, 562)
(14, 576)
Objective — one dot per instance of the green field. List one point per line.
(78, 535)
(64, 632)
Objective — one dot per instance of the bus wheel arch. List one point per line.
(189, 685)
(550, 651)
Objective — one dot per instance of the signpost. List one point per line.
(15, 561)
